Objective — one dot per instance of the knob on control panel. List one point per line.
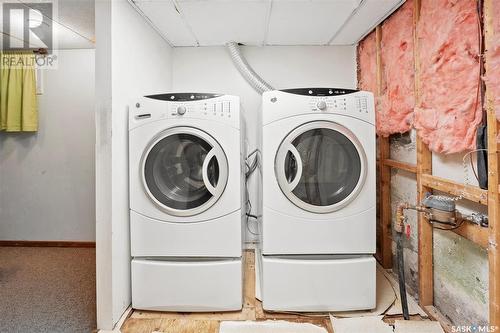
(181, 110)
(321, 105)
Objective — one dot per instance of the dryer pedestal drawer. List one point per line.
(318, 284)
(192, 285)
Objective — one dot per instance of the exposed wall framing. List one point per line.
(384, 177)
(426, 182)
(493, 181)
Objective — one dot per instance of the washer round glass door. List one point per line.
(320, 166)
(184, 171)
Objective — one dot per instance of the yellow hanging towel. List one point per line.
(18, 103)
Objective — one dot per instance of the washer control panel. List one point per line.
(181, 110)
(214, 109)
(321, 105)
(221, 108)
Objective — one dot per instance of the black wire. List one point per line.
(255, 163)
(251, 168)
(255, 151)
(473, 168)
(249, 216)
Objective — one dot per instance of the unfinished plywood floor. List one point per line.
(170, 322)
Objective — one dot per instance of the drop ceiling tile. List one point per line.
(79, 16)
(312, 22)
(257, 22)
(73, 26)
(369, 14)
(69, 39)
(216, 22)
(164, 15)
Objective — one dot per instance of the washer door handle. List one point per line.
(204, 172)
(295, 181)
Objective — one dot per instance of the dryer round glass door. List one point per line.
(184, 171)
(320, 166)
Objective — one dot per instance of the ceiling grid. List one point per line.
(266, 22)
(186, 23)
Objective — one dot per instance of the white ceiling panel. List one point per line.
(265, 22)
(216, 22)
(367, 16)
(73, 25)
(312, 22)
(169, 22)
(68, 38)
(78, 16)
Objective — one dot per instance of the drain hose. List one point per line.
(246, 71)
(401, 275)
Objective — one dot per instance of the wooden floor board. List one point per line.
(179, 325)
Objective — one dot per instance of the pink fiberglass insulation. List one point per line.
(367, 55)
(492, 76)
(449, 110)
(397, 100)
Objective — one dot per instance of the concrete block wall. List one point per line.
(460, 266)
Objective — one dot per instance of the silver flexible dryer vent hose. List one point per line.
(246, 71)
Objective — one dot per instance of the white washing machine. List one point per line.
(319, 200)
(186, 202)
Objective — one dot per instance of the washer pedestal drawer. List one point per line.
(321, 283)
(187, 285)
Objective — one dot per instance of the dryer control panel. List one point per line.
(339, 104)
(286, 103)
(220, 108)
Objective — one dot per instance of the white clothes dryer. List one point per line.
(319, 200)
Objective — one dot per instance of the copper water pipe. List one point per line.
(400, 214)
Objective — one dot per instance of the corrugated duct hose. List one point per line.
(260, 86)
(246, 71)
